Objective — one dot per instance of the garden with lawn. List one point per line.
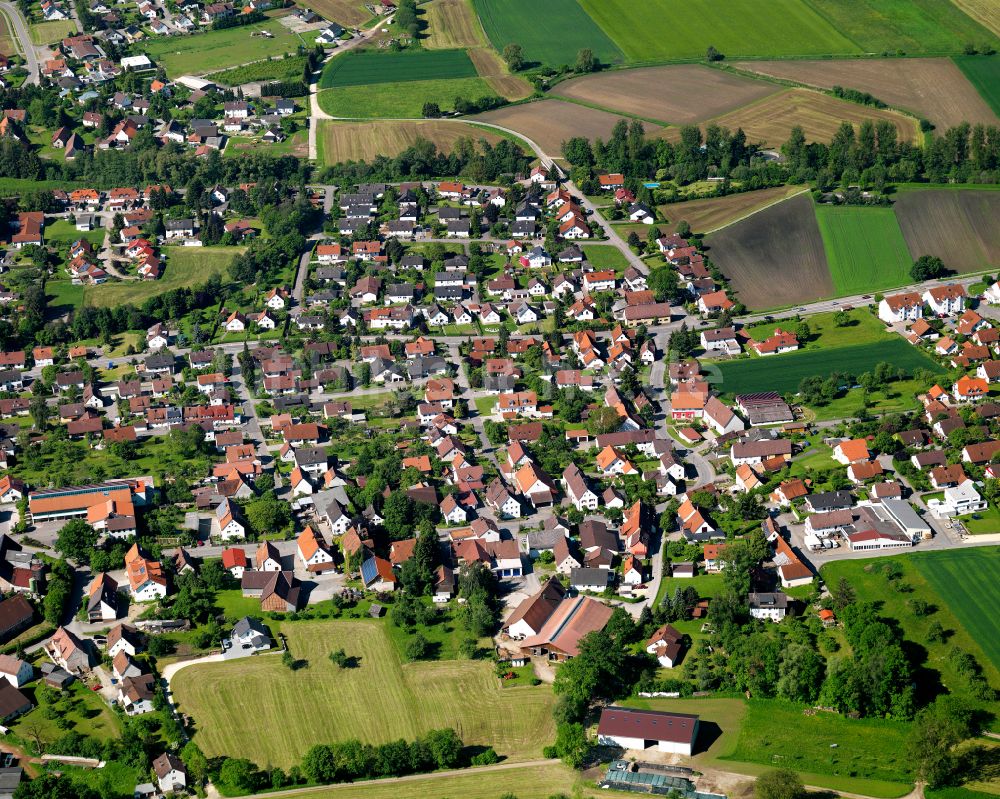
(183, 267)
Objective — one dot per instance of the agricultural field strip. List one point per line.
(557, 30)
(661, 30)
(932, 88)
(865, 249)
(366, 67)
(679, 95)
(984, 74)
(968, 581)
(783, 373)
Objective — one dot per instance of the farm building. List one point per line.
(630, 728)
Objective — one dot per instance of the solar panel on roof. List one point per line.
(369, 571)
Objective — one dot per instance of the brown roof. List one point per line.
(537, 609)
(571, 621)
(651, 725)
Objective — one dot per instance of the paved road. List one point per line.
(821, 306)
(20, 30)
(316, 113)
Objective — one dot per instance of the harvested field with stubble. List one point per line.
(959, 226)
(238, 705)
(775, 258)
(706, 216)
(494, 71)
(363, 141)
(932, 88)
(551, 122)
(771, 120)
(679, 95)
(452, 23)
(985, 12)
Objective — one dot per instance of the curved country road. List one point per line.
(21, 33)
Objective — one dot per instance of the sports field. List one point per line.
(984, 74)
(864, 247)
(915, 27)
(363, 141)
(682, 94)
(216, 50)
(365, 67)
(969, 581)
(771, 119)
(783, 373)
(183, 266)
(774, 258)
(932, 88)
(706, 216)
(550, 33)
(957, 225)
(669, 29)
(400, 100)
(237, 706)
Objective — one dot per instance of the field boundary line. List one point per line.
(606, 110)
(755, 211)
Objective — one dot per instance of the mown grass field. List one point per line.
(961, 589)
(779, 734)
(750, 737)
(912, 26)
(984, 73)
(51, 32)
(864, 247)
(363, 141)
(400, 100)
(775, 258)
(969, 582)
(237, 706)
(184, 266)
(549, 779)
(550, 33)
(863, 328)
(783, 373)
(365, 67)
(217, 50)
(276, 69)
(933, 88)
(683, 29)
